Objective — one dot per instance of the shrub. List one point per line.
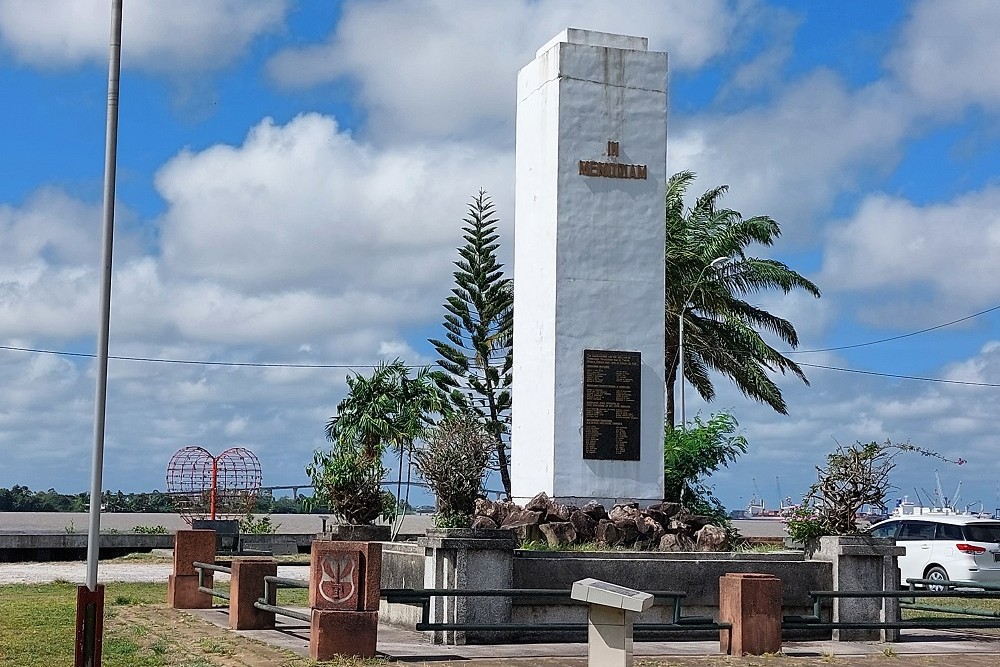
(453, 460)
(350, 482)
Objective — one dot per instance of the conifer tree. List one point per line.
(477, 357)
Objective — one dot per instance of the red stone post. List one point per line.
(344, 591)
(89, 626)
(246, 586)
(752, 604)
(182, 585)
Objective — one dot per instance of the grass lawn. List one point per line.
(38, 630)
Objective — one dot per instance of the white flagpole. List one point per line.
(101, 397)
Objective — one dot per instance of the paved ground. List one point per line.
(918, 648)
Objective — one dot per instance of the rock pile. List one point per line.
(663, 526)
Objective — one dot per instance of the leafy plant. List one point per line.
(386, 409)
(454, 460)
(149, 530)
(805, 524)
(251, 525)
(477, 357)
(691, 454)
(349, 481)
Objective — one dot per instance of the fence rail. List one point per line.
(271, 587)
(211, 567)
(422, 597)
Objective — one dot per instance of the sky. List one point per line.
(292, 177)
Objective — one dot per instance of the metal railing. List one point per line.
(907, 598)
(423, 597)
(211, 567)
(270, 596)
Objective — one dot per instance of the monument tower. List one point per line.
(588, 395)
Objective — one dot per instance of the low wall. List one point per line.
(696, 574)
(42, 547)
(20, 547)
(402, 567)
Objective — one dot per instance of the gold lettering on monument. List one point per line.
(596, 168)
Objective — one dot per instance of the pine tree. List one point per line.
(477, 357)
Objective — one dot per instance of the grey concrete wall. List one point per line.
(402, 567)
(695, 574)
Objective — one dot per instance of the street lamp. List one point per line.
(718, 261)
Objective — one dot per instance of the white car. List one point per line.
(945, 547)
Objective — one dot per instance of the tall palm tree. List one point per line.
(721, 330)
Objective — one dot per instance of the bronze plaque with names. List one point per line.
(611, 406)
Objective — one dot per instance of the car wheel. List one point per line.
(935, 574)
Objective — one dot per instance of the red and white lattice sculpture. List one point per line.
(213, 487)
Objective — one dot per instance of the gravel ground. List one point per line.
(76, 572)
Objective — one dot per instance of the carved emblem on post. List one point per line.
(338, 576)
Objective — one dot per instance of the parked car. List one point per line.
(945, 547)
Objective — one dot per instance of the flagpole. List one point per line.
(101, 394)
(90, 599)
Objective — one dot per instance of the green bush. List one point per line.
(349, 482)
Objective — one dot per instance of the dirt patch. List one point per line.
(182, 639)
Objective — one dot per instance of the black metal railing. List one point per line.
(907, 598)
(423, 597)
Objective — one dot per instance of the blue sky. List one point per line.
(292, 176)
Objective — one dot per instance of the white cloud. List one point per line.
(449, 67)
(180, 35)
(302, 229)
(947, 53)
(790, 158)
(943, 249)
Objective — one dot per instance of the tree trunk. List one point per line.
(504, 465)
(670, 379)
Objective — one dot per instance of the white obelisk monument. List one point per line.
(588, 397)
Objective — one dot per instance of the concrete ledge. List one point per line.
(19, 547)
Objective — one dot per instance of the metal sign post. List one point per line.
(90, 598)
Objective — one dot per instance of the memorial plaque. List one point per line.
(611, 406)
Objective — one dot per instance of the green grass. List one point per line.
(39, 624)
(957, 604)
(38, 629)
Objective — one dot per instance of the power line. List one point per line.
(902, 377)
(192, 362)
(892, 338)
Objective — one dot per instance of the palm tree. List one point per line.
(387, 409)
(721, 330)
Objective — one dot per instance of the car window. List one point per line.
(916, 530)
(885, 530)
(983, 532)
(948, 531)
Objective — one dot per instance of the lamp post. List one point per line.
(718, 261)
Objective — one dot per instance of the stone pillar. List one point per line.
(588, 270)
(752, 604)
(182, 586)
(862, 563)
(465, 558)
(344, 592)
(246, 586)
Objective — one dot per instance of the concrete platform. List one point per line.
(402, 645)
